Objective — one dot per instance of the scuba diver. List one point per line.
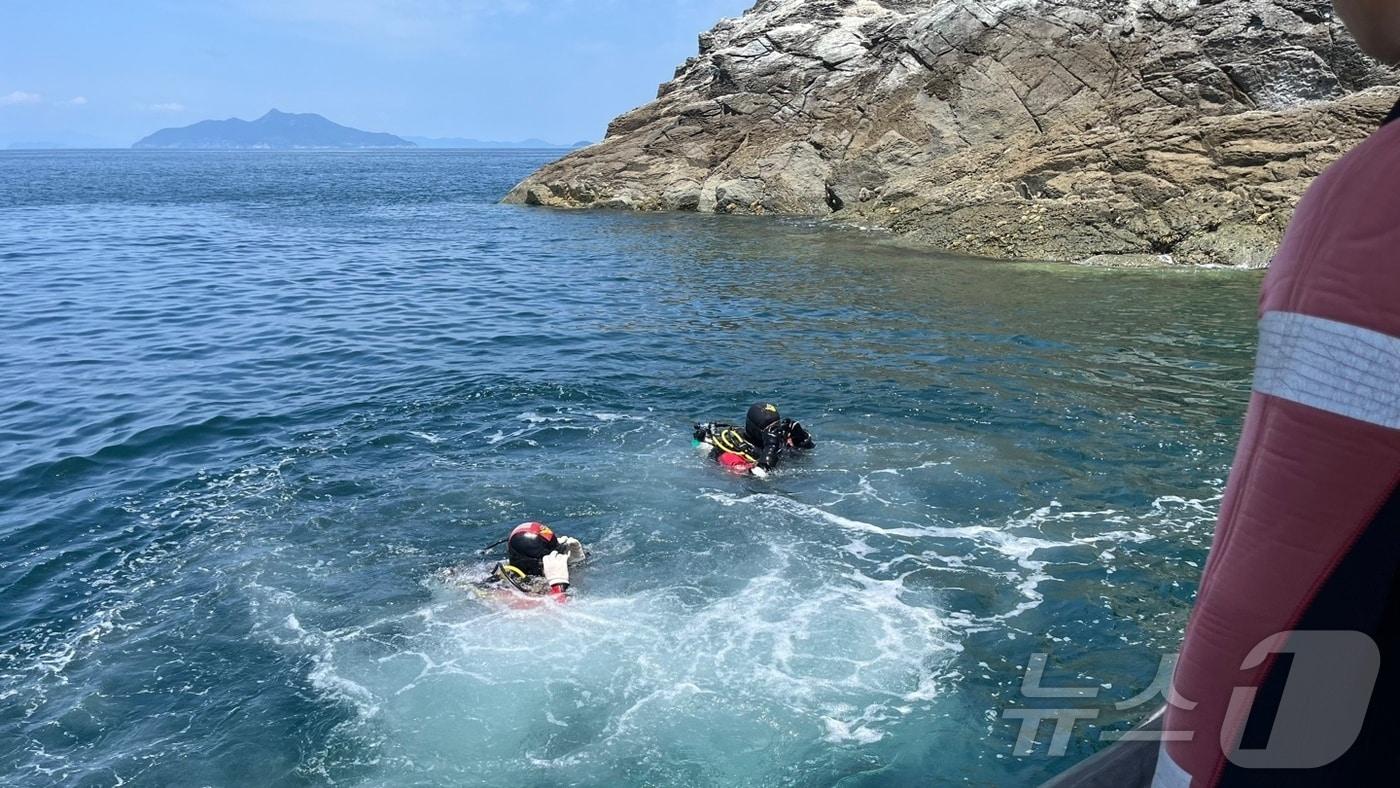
(766, 438)
(537, 562)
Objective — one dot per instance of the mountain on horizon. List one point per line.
(274, 131)
(468, 142)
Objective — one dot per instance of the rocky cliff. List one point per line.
(1113, 130)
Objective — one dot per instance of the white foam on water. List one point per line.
(832, 644)
(144, 554)
(533, 417)
(151, 577)
(762, 672)
(1019, 539)
(611, 417)
(838, 732)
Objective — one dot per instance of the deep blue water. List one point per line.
(253, 405)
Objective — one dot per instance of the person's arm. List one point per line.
(799, 436)
(770, 450)
(556, 573)
(704, 439)
(575, 548)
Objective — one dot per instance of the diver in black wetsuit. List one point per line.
(537, 561)
(766, 439)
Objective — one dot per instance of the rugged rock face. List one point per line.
(1112, 130)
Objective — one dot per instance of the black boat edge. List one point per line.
(1124, 764)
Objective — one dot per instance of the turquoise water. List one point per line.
(254, 405)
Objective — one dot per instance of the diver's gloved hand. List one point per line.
(799, 437)
(574, 546)
(556, 569)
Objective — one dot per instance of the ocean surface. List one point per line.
(258, 410)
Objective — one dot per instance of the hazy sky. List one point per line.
(108, 73)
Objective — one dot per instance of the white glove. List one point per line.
(556, 569)
(574, 546)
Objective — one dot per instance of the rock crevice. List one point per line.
(1047, 129)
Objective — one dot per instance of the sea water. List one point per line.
(253, 406)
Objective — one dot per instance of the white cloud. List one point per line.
(21, 97)
(76, 101)
(167, 106)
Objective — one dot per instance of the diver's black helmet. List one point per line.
(762, 416)
(528, 544)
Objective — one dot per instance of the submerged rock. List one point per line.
(1183, 130)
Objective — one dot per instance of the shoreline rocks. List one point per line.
(1078, 130)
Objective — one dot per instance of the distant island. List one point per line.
(273, 131)
(466, 142)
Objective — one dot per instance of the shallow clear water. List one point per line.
(252, 405)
